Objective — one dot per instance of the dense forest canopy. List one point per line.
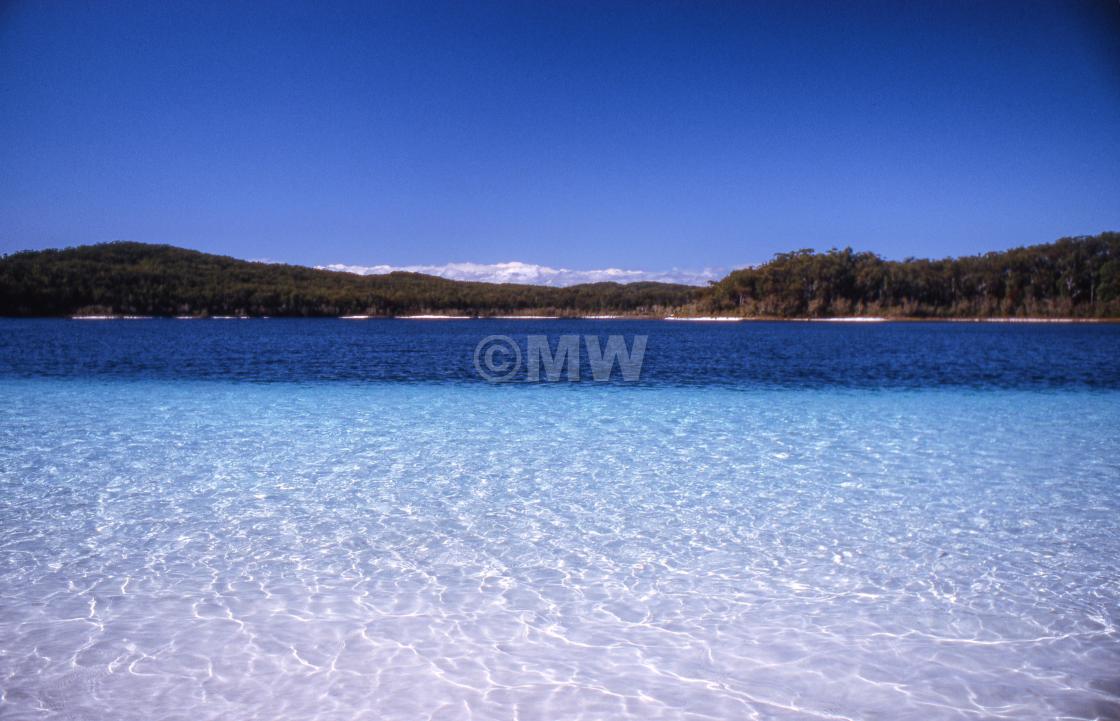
(140, 279)
(1073, 277)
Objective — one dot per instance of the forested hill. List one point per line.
(140, 279)
(1073, 277)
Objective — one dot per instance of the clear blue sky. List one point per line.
(581, 134)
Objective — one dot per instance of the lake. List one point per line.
(329, 519)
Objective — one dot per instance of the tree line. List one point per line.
(127, 278)
(1073, 277)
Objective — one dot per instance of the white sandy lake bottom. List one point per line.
(202, 550)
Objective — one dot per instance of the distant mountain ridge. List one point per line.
(535, 274)
(1072, 277)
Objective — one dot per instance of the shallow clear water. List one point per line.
(700, 545)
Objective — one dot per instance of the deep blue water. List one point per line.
(746, 355)
(340, 520)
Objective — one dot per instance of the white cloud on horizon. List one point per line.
(533, 274)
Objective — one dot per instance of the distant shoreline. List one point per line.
(1071, 280)
(859, 320)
